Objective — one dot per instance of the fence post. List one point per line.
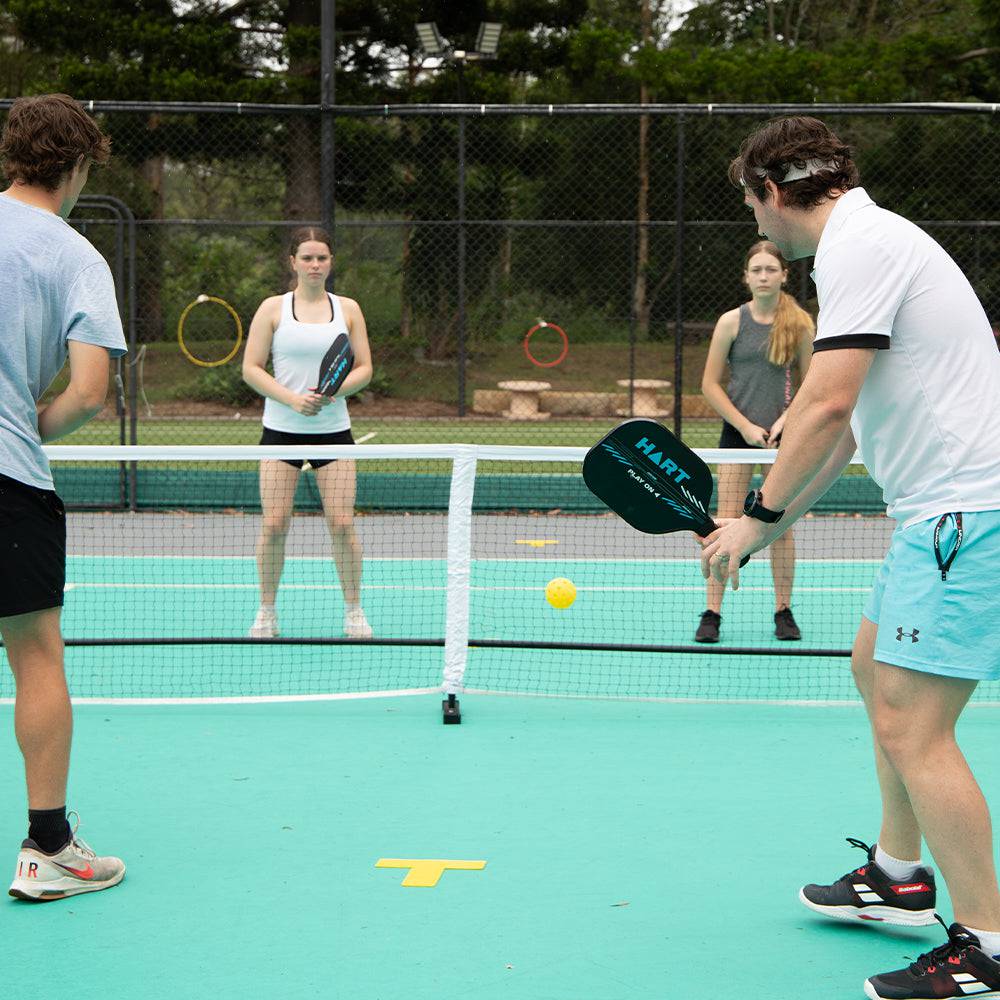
(328, 98)
(679, 286)
(462, 354)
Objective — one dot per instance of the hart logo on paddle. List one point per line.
(667, 464)
(336, 373)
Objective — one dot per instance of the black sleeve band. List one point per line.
(877, 340)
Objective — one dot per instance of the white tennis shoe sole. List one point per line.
(872, 914)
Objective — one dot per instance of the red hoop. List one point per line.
(533, 331)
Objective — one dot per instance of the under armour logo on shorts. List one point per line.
(912, 636)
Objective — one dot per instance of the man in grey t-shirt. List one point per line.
(58, 301)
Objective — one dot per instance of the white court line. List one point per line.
(366, 437)
(443, 589)
(262, 699)
(293, 698)
(551, 558)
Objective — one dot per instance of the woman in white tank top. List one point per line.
(295, 330)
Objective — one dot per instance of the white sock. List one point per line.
(989, 941)
(893, 867)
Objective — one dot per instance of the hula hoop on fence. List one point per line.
(180, 332)
(542, 325)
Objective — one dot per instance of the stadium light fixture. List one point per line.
(430, 38)
(488, 39)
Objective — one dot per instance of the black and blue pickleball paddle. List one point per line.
(651, 479)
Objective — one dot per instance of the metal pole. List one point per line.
(679, 286)
(632, 318)
(123, 214)
(462, 358)
(328, 100)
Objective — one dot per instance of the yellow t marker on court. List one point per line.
(425, 872)
(536, 543)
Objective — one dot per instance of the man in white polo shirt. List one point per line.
(905, 369)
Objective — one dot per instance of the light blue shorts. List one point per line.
(949, 627)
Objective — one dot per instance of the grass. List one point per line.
(167, 375)
(387, 430)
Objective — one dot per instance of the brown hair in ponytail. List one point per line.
(303, 235)
(792, 324)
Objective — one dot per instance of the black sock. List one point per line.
(49, 829)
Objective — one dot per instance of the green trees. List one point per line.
(398, 177)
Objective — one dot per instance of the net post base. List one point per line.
(451, 711)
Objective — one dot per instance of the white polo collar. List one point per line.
(847, 204)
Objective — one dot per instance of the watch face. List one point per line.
(750, 502)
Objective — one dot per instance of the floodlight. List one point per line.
(488, 39)
(430, 38)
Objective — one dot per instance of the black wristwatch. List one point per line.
(753, 506)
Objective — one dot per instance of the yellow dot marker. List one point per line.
(425, 872)
(536, 543)
(560, 593)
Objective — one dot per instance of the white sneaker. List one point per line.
(41, 877)
(356, 625)
(265, 625)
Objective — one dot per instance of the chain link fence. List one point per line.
(459, 230)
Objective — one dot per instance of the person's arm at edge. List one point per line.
(715, 368)
(83, 397)
(361, 373)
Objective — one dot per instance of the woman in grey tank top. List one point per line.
(760, 344)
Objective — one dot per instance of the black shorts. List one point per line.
(286, 437)
(32, 548)
(732, 438)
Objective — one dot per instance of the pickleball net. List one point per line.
(458, 544)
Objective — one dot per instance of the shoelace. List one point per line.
(869, 850)
(951, 951)
(81, 845)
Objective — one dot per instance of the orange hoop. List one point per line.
(549, 326)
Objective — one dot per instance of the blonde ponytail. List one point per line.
(792, 324)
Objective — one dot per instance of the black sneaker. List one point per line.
(784, 625)
(868, 893)
(959, 968)
(708, 628)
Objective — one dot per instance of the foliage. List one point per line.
(223, 385)
(399, 175)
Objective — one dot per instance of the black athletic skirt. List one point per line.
(732, 438)
(32, 548)
(286, 437)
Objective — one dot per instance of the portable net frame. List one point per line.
(458, 543)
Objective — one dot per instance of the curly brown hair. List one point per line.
(770, 151)
(44, 138)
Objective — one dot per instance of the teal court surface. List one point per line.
(645, 818)
(633, 851)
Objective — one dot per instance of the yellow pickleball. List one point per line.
(560, 593)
